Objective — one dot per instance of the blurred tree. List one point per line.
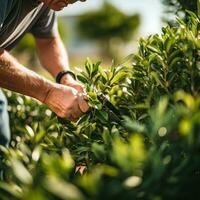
(107, 25)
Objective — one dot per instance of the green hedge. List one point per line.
(151, 153)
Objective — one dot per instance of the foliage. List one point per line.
(149, 151)
(167, 63)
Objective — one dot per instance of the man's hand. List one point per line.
(68, 80)
(66, 102)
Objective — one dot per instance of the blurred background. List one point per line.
(106, 29)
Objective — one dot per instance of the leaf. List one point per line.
(127, 59)
(21, 172)
(156, 77)
(40, 134)
(30, 131)
(98, 150)
(12, 189)
(88, 67)
(95, 68)
(82, 79)
(169, 44)
(174, 54)
(153, 49)
(83, 120)
(62, 189)
(175, 62)
(198, 5)
(103, 74)
(102, 116)
(120, 75)
(106, 136)
(134, 126)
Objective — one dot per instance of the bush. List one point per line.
(148, 150)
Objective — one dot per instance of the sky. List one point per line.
(150, 11)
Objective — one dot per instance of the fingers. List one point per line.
(79, 108)
(76, 112)
(83, 105)
(67, 102)
(72, 115)
(79, 88)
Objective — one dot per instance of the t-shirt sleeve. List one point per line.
(46, 25)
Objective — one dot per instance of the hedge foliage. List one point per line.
(148, 151)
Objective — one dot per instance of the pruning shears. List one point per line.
(115, 113)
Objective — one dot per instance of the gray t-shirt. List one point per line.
(18, 17)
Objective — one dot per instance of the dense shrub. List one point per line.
(148, 150)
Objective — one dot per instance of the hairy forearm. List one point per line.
(52, 55)
(15, 77)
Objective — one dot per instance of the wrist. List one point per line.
(65, 77)
(45, 88)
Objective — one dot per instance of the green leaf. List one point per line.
(62, 189)
(13, 189)
(103, 74)
(174, 63)
(98, 150)
(106, 136)
(82, 79)
(169, 44)
(21, 172)
(120, 75)
(156, 77)
(154, 49)
(88, 67)
(102, 116)
(95, 69)
(84, 119)
(134, 126)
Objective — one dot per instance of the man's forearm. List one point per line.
(15, 77)
(53, 57)
(52, 54)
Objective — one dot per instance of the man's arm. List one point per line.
(54, 59)
(15, 77)
(52, 54)
(64, 101)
